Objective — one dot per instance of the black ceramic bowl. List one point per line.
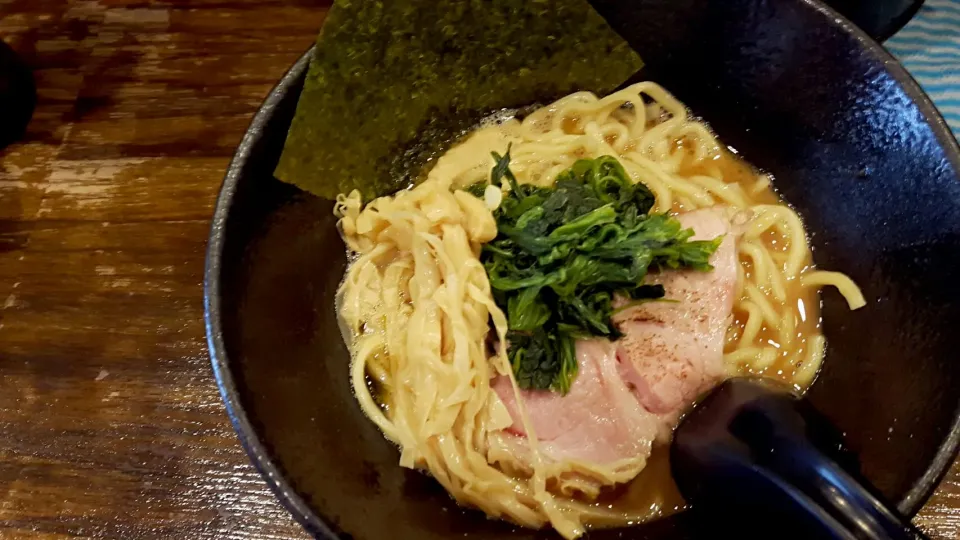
(854, 145)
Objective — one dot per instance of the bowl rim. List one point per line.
(911, 502)
(249, 438)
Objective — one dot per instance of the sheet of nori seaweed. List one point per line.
(394, 82)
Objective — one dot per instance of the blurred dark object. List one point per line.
(18, 96)
(879, 18)
(754, 457)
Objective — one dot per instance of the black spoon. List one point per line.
(754, 458)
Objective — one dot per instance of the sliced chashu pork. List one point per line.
(672, 351)
(598, 420)
(627, 391)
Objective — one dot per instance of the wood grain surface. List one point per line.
(110, 422)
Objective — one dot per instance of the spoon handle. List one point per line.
(749, 450)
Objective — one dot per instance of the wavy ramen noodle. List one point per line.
(416, 301)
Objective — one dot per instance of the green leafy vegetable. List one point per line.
(543, 359)
(563, 252)
(393, 82)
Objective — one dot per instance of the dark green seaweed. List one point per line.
(392, 83)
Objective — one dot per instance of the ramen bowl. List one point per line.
(853, 144)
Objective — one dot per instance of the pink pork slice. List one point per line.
(598, 420)
(673, 351)
(626, 392)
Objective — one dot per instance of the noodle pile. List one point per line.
(416, 301)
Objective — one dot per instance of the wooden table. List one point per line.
(110, 423)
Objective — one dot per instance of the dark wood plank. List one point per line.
(113, 427)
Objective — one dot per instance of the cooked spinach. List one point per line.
(563, 252)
